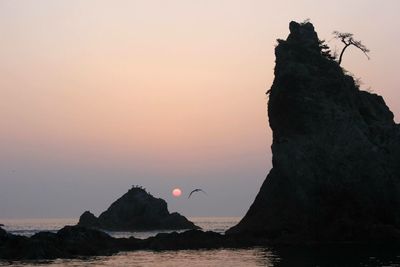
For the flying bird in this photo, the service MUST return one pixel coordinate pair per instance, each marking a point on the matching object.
(197, 190)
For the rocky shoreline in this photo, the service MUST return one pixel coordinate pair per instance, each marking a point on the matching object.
(77, 241)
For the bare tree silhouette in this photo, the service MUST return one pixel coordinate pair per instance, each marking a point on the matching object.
(348, 40)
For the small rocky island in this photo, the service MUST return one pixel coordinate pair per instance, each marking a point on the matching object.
(137, 210)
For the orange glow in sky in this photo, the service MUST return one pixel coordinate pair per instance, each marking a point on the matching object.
(98, 95)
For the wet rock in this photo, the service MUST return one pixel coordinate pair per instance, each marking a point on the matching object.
(192, 239)
(77, 241)
(88, 219)
(69, 242)
(3, 234)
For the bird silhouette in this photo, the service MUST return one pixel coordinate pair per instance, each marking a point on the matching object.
(196, 190)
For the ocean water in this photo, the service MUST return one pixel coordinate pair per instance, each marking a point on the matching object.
(256, 256)
(28, 227)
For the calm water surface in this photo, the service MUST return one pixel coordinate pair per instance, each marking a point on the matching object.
(260, 256)
(29, 227)
(221, 257)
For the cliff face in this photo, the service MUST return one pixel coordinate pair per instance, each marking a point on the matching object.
(136, 210)
(336, 153)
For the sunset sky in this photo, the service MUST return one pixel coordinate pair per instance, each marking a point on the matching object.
(97, 96)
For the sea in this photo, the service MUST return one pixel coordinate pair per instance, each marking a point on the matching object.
(253, 256)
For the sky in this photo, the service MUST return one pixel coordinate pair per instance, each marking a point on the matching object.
(97, 96)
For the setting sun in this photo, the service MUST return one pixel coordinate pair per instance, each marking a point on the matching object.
(177, 192)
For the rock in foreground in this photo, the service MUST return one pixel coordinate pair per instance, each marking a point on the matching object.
(77, 241)
(137, 210)
(336, 154)
(69, 242)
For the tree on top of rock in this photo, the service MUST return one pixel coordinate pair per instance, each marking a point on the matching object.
(348, 40)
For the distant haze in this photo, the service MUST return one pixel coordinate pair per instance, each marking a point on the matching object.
(97, 96)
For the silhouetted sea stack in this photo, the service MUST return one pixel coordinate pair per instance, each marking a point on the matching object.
(137, 210)
(336, 154)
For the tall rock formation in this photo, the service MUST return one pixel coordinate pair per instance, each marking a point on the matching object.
(336, 154)
(136, 210)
